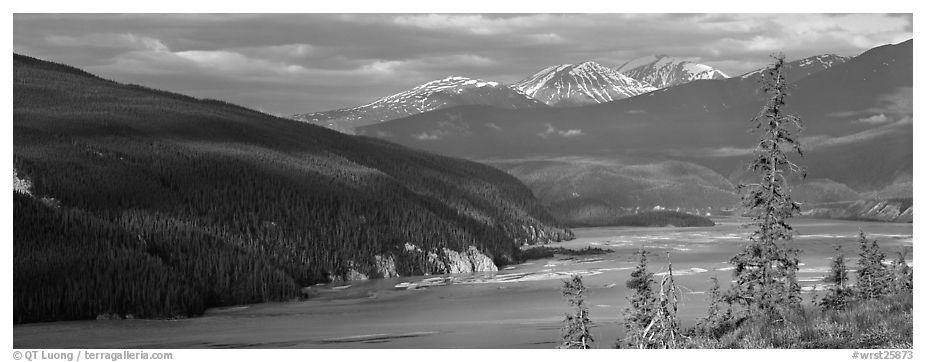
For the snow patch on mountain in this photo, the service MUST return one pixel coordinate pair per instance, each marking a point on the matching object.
(21, 184)
(662, 71)
(437, 94)
(580, 84)
(639, 62)
(801, 68)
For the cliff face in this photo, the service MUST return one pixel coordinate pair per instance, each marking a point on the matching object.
(539, 233)
(468, 261)
(888, 210)
(444, 261)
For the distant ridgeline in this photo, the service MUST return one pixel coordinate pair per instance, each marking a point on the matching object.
(133, 201)
(663, 218)
(890, 210)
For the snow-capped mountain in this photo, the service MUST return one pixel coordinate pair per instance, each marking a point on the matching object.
(580, 84)
(662, 71)
(801, 68)
(442, 93)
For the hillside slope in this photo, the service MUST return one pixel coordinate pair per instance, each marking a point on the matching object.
(143, 202)
(858, 118)
(437, 94)
(889, 210)
(585, 191)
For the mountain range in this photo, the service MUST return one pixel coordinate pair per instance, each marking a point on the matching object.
(662, 71)
(438, 94)
(799, 69)
(564, 85)
(857, 113)
(580, 84)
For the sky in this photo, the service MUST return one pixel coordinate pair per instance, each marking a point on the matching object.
(287, 64)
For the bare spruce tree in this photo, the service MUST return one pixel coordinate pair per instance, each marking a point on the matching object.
(651, 321)
(577, 327)
(663, 330)
(642, 303)
(765, 269)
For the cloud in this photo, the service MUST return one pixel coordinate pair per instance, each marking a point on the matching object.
(202, 63)
(425, 136)
(816, 142)
(885, 124)
(553, 131)
(298, 63)
(412, 67)
(547, 38)
(892, 106)
(125, 41)
(493, 126)
(450, 126)
(844, 114)
(898, 102)
(383, 67)
(470, 23)
(721, 152)
(876, 119)
(570, 133)
(227, 61)
(293, 51)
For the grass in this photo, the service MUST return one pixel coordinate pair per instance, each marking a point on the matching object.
(882, 323)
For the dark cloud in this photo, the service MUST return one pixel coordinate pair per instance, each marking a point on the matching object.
(295, 63)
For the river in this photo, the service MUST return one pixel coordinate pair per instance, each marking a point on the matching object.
(517, 307)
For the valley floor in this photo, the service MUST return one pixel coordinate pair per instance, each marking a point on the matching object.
(517, 307)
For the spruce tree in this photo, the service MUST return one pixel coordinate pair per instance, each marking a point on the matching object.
(839, 293)
(873, 278)
(576, 328)
(902, 274)
(765, 270)
(719, 317)
(642, 303)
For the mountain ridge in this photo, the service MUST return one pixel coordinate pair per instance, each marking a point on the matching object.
(662, 71)
(433, 95)
(568, 85)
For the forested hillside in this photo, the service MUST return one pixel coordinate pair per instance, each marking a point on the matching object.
(155, 204)
(598, 191)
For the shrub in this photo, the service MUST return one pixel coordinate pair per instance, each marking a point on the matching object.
(719, 319)
(880, 323)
